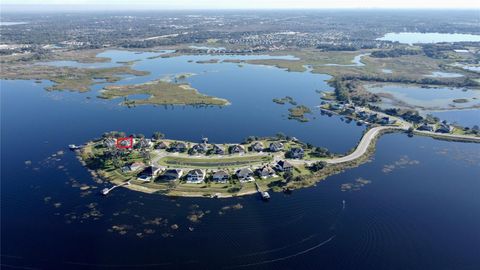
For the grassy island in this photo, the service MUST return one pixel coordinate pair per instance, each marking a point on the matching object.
(161, 92)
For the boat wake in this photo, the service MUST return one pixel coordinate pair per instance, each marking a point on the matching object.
(286, 257)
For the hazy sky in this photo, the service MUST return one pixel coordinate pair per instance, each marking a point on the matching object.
(243, 4)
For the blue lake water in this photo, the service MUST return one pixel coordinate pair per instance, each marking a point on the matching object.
(439, 74)
(426, 98)
(466, 118)
(409, 214)
(414, 37)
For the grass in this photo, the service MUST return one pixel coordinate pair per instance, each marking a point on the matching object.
(225, 162)
(67, 78)
(298, 113)
(161, 93)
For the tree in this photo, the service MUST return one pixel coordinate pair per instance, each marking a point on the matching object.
(317, 166)
(157, 135)
(281, 136)
(288, 176)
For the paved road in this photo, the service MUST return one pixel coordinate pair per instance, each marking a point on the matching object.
(360, 149)
(363, 145)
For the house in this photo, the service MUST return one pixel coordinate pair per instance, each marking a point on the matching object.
(218, 150)
(220, 176)
(258, 147)
(245, 175)
(385, 120)
(444, 128)
(362, 114)
(296, 152)
(199, 148)
(284, 166)
(178, 147)
(135, 166)
(348, 111)
(373, 118)
(142, 143)
(335, 106)
(161, 145)
(237, 149)
(109, 142)
(195, 176)
(266, 171)
(426, 127)
(276, 146)
(173, 174)
(149, 173)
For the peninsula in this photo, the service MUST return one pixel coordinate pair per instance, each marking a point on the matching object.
(279, 163)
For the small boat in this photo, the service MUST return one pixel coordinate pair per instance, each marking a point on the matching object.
(105, 191)
(265, 195)
(73, 147)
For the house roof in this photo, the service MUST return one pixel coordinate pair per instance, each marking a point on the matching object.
(258, 144)
(244, 171)
(238, 147)
(284, 163)
(266, 169)
(195, 172)
(173, 172)
(137, 164)
(220, 173)
(276, 144)
(150, 170)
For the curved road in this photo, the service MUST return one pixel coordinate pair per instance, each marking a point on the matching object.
(362, 145)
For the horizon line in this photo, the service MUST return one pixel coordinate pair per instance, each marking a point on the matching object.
(60, 7)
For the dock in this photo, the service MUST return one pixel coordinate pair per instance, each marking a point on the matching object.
(105, 191)
(265, 195)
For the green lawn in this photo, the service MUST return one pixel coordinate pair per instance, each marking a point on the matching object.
(215, 162)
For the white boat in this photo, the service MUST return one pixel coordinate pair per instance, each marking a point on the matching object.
(265, 195)
(73, 147)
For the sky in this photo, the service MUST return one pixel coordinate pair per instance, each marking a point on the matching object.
(237, 4)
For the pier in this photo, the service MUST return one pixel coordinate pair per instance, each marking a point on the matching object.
(265, 195)
(105, 191)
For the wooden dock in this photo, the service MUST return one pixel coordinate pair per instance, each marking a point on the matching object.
(105, 191)
(264, 194)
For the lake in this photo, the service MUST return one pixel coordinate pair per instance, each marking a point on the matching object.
(415, 37)
(403, 210)
(440, 98)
